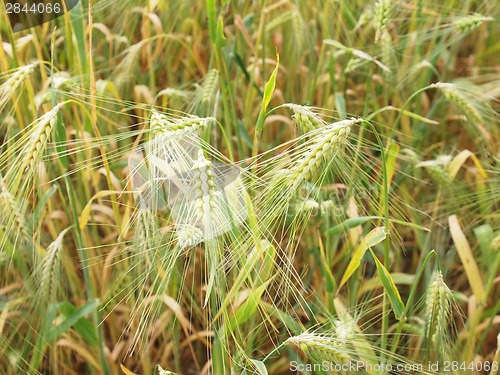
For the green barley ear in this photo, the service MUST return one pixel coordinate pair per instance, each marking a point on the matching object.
(189, 235)
(50, 270)
(38, 141)
(466, 104)
(365, 18)
(321, 348)
(308, 205)
(210, 86)
(60, 81)
(122, 75)
(305, 118)
(172, 93)
(437, 168)
(388, 57)
(145, 236)
(329, 140)
(204, 191)
(8, 203)
(327, 207)
(27, 151)
(164, 372)
(471, 22)
(170, 126)
(299, 29)
(438, 308)
(354, 64)
(382, 16)
(10, 87)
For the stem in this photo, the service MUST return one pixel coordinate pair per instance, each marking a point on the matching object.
(274, 351)
(412, 96)
(385, 316)
(412, 294)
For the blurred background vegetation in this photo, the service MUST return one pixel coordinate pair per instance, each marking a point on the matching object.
(426, 74)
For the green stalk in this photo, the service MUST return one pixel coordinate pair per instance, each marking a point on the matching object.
(413, 290)
(412, 96)
(385, 315)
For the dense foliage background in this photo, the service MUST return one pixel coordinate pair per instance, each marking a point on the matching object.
(331, 256)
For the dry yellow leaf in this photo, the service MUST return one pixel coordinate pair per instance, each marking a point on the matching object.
(465, 254)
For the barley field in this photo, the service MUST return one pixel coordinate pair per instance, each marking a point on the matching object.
(251, 187)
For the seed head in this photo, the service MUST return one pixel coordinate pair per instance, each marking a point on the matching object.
(204, 190)
(468, 23)
(189, 236)
(382, 15)
(438, 311)
(210, 86)
(330, 138)
(9, 87)
(176, 126)
(321, 348)
(35, 146)
(305, 118)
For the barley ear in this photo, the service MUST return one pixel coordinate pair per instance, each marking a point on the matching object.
(321, 348)
(382, 16)
(469, 23)
(305, 118)
(438, 314)
(50, 270)
(8, 207)
(328, 141)
(210, 86)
